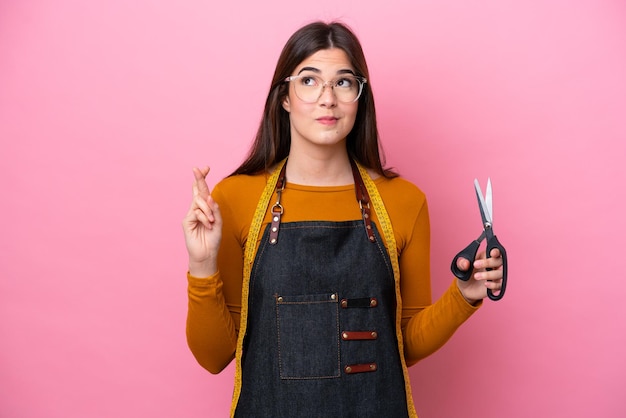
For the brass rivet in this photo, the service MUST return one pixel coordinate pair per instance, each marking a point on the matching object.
(333, 296)
(374, 334)
(280, 298)
(273, 241)
(344, 336)
(372, 239)
(348, 369)
(373, 302)
(274, 229)
(372, 367)
(344, 303)
(275, 219)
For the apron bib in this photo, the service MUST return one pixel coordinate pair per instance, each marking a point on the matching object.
(321, 337)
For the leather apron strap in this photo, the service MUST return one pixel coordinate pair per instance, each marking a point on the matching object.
(362, 197)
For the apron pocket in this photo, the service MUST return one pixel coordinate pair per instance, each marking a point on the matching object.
(308, 336)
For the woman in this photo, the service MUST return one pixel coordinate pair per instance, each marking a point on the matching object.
(310, 263)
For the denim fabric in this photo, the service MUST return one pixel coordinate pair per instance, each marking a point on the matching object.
(293, 362)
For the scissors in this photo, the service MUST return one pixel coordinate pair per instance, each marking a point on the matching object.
(486, 212)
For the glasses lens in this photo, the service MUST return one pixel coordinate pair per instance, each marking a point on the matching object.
(347, 89)
(309, 88)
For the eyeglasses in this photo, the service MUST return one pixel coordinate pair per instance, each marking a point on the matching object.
(309, 88)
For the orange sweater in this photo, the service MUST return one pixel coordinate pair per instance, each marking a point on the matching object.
(215, 302)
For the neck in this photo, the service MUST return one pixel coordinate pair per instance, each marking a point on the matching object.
(310, 170)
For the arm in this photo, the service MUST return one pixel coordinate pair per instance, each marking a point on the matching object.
(426, 326)
(211, 334)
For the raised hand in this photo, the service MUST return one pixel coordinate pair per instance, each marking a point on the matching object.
(202, 227)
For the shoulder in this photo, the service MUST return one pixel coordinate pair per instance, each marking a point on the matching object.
(241, 182)
(400, 191)
(407, 208)
(240, 192)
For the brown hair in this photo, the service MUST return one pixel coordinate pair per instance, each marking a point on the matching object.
(273, 139)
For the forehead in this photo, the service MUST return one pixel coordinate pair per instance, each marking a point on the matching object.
(327, 61)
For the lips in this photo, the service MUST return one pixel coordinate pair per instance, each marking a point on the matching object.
(327, 120)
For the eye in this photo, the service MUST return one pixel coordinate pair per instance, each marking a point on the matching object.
(309, 81)
(345, 82)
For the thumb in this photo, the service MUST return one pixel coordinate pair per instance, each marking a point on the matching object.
(462, 264)
(215, 208)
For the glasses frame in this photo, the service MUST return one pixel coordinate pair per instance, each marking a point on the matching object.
(332, 83)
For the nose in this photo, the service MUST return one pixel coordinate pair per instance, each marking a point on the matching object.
(327, 96)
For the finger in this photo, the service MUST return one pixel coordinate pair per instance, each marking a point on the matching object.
(203, 219)
(199, 211)
(479, 261)
(203, 206)
(462, 264)
(490, 275)
(194, 218)
(201, 172)
(207, 213)
(200, 186)
(492, 262)
(494, 285)
(215, 211)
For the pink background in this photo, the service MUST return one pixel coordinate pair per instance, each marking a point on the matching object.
(106, 105)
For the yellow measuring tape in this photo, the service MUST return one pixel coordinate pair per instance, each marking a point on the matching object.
(390, 239)
(249, 254)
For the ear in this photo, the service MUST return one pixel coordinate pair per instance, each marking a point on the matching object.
(286, 104)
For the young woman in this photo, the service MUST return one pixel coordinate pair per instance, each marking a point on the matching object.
(310, 264)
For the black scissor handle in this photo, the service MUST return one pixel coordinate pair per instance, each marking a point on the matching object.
(492, 242)
(468, 253)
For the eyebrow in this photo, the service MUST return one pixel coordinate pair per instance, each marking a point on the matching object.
(318, 71)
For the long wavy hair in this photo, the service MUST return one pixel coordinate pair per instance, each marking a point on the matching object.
(273, 138)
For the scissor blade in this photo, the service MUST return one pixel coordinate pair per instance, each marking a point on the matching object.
(484, 210)
(489, 199)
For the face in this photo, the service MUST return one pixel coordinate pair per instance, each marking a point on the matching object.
(326, 122)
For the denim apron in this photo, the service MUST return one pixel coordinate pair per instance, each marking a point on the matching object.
(321, 335)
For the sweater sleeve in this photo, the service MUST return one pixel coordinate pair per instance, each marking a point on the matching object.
(426, 326)
(214, 303)
(431, 327)
(211, 332)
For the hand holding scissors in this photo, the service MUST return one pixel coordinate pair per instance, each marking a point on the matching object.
(486, 212)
